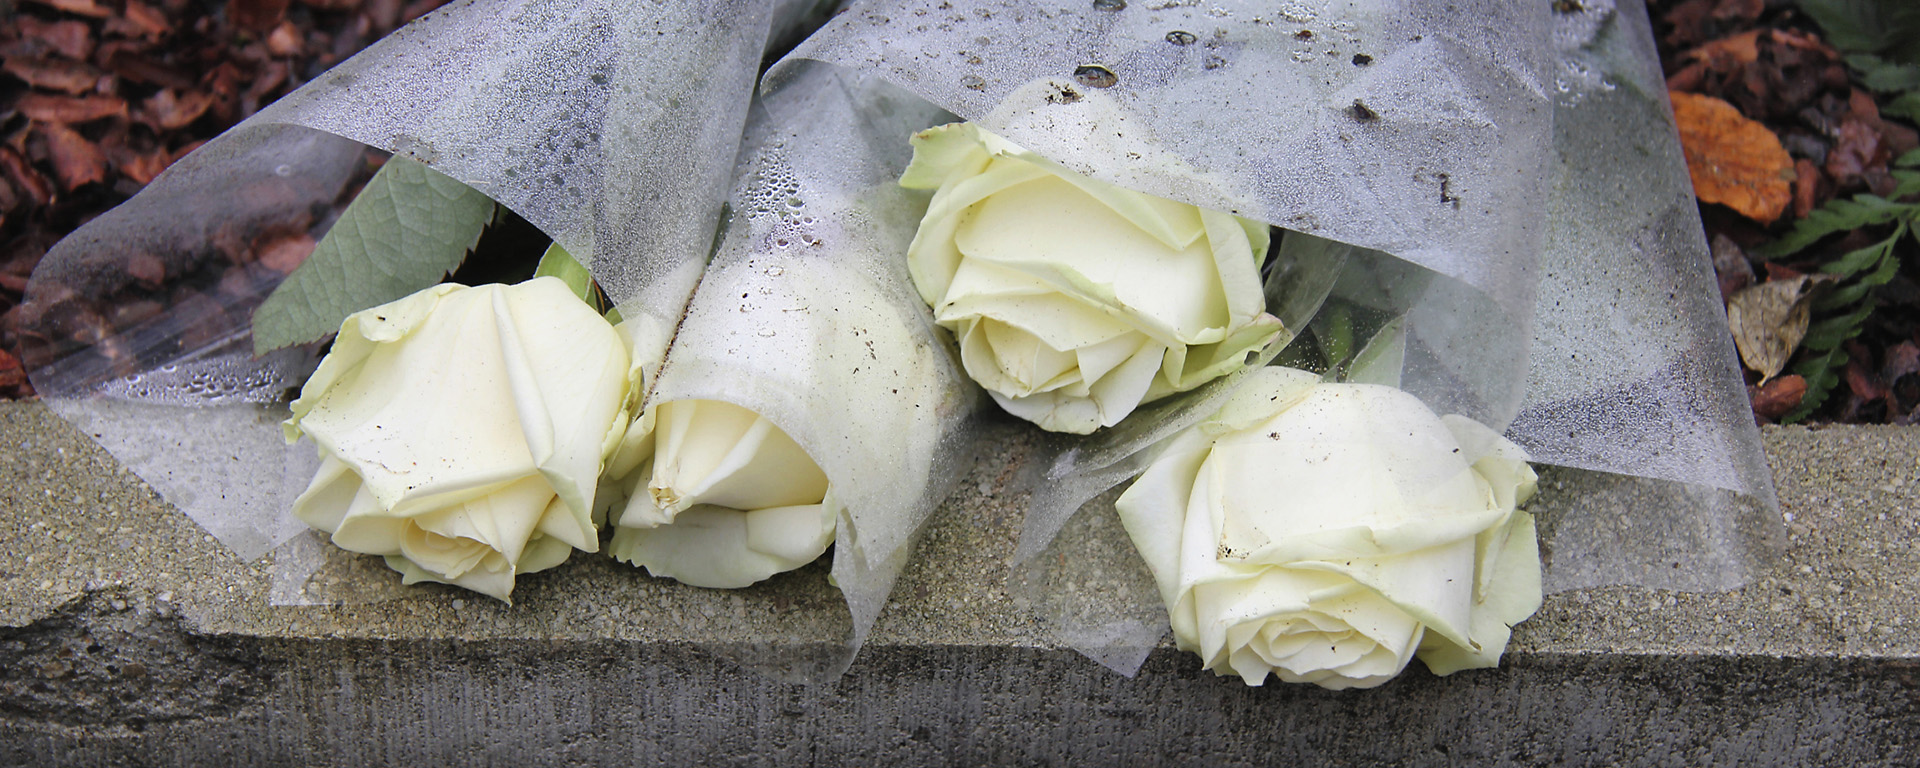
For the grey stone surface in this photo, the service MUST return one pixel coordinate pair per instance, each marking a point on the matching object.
(128, 637)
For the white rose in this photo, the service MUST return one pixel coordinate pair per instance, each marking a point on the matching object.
(1075, 301)
(1328, 533)
(717, 496)
(461, 431)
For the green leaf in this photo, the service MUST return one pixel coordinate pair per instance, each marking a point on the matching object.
(1889, 266)
(1842, 297)
(1912, 158)
(410, 227)
(1885, 76)
(1854, 261)
(1868, 26)
(1822, 374)
(1336, 335)
(1907, 106)
(1833, 217)
(556, 262)
(1906, 183)
(1833, 331)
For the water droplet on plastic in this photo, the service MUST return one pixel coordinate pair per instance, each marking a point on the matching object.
(1303, 55)
(283, 171)
(809, 239)
(1094, 76)
(1109, 5)
(781, 243)
(766, 333)
(775, 271)
(796, 203)
(806, 220)
(1180, 37)
(414, 147)
(973, 82)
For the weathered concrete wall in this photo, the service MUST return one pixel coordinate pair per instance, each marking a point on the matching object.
(127, 637)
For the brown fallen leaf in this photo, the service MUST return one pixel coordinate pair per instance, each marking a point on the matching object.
(146, 21)
(1730, 266)
(138, 67)
(148, 269)
(1862, 381)
(1856, 151)
(54, 74)
(76, 161)
(1807, 186)
(69, 109)
(1722, 54)
(285, 254)
(1768, 321)
(168, 110)
(1902, 360)
(142, 167)
(72, 39)
(256, 15)
(1775, 398)
(11, 374)
(1742, 10)
(1733, 160)
(25, 180)
(285, 40)
(87, 8)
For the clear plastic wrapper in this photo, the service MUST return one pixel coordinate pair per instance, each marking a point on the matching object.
(807, 317)
(1509, 178)
(611, 125)
(1632, 369)
(1394, 126)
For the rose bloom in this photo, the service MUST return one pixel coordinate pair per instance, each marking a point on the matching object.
(1329, 533)
(1074, 301)
(717, 496)
(461, 431)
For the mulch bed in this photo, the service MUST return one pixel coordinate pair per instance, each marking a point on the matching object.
(98, 96)
(1769, 61)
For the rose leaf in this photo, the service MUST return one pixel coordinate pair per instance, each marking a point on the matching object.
(410, 227)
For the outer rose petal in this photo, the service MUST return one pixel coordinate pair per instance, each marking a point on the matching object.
(1043, 274)
(726, 500)
(462, 429)
(1327, 533)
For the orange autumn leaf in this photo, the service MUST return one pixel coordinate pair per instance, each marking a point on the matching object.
(1734, 161)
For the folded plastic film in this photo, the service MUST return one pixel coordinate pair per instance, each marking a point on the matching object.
(1396, 126)
(1619, 362)
(807, 316)
(610, 124)
(1413, 128)
(1632, 369)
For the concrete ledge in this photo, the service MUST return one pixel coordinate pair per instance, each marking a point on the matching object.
(129, 637)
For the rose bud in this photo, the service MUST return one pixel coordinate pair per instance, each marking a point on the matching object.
(717, 496)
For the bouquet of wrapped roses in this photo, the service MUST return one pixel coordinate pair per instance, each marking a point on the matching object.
(764, 324)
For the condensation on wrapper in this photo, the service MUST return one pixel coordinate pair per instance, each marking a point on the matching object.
(1427, 150)
(807, 317)
(1517, 157)
(609, 124)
